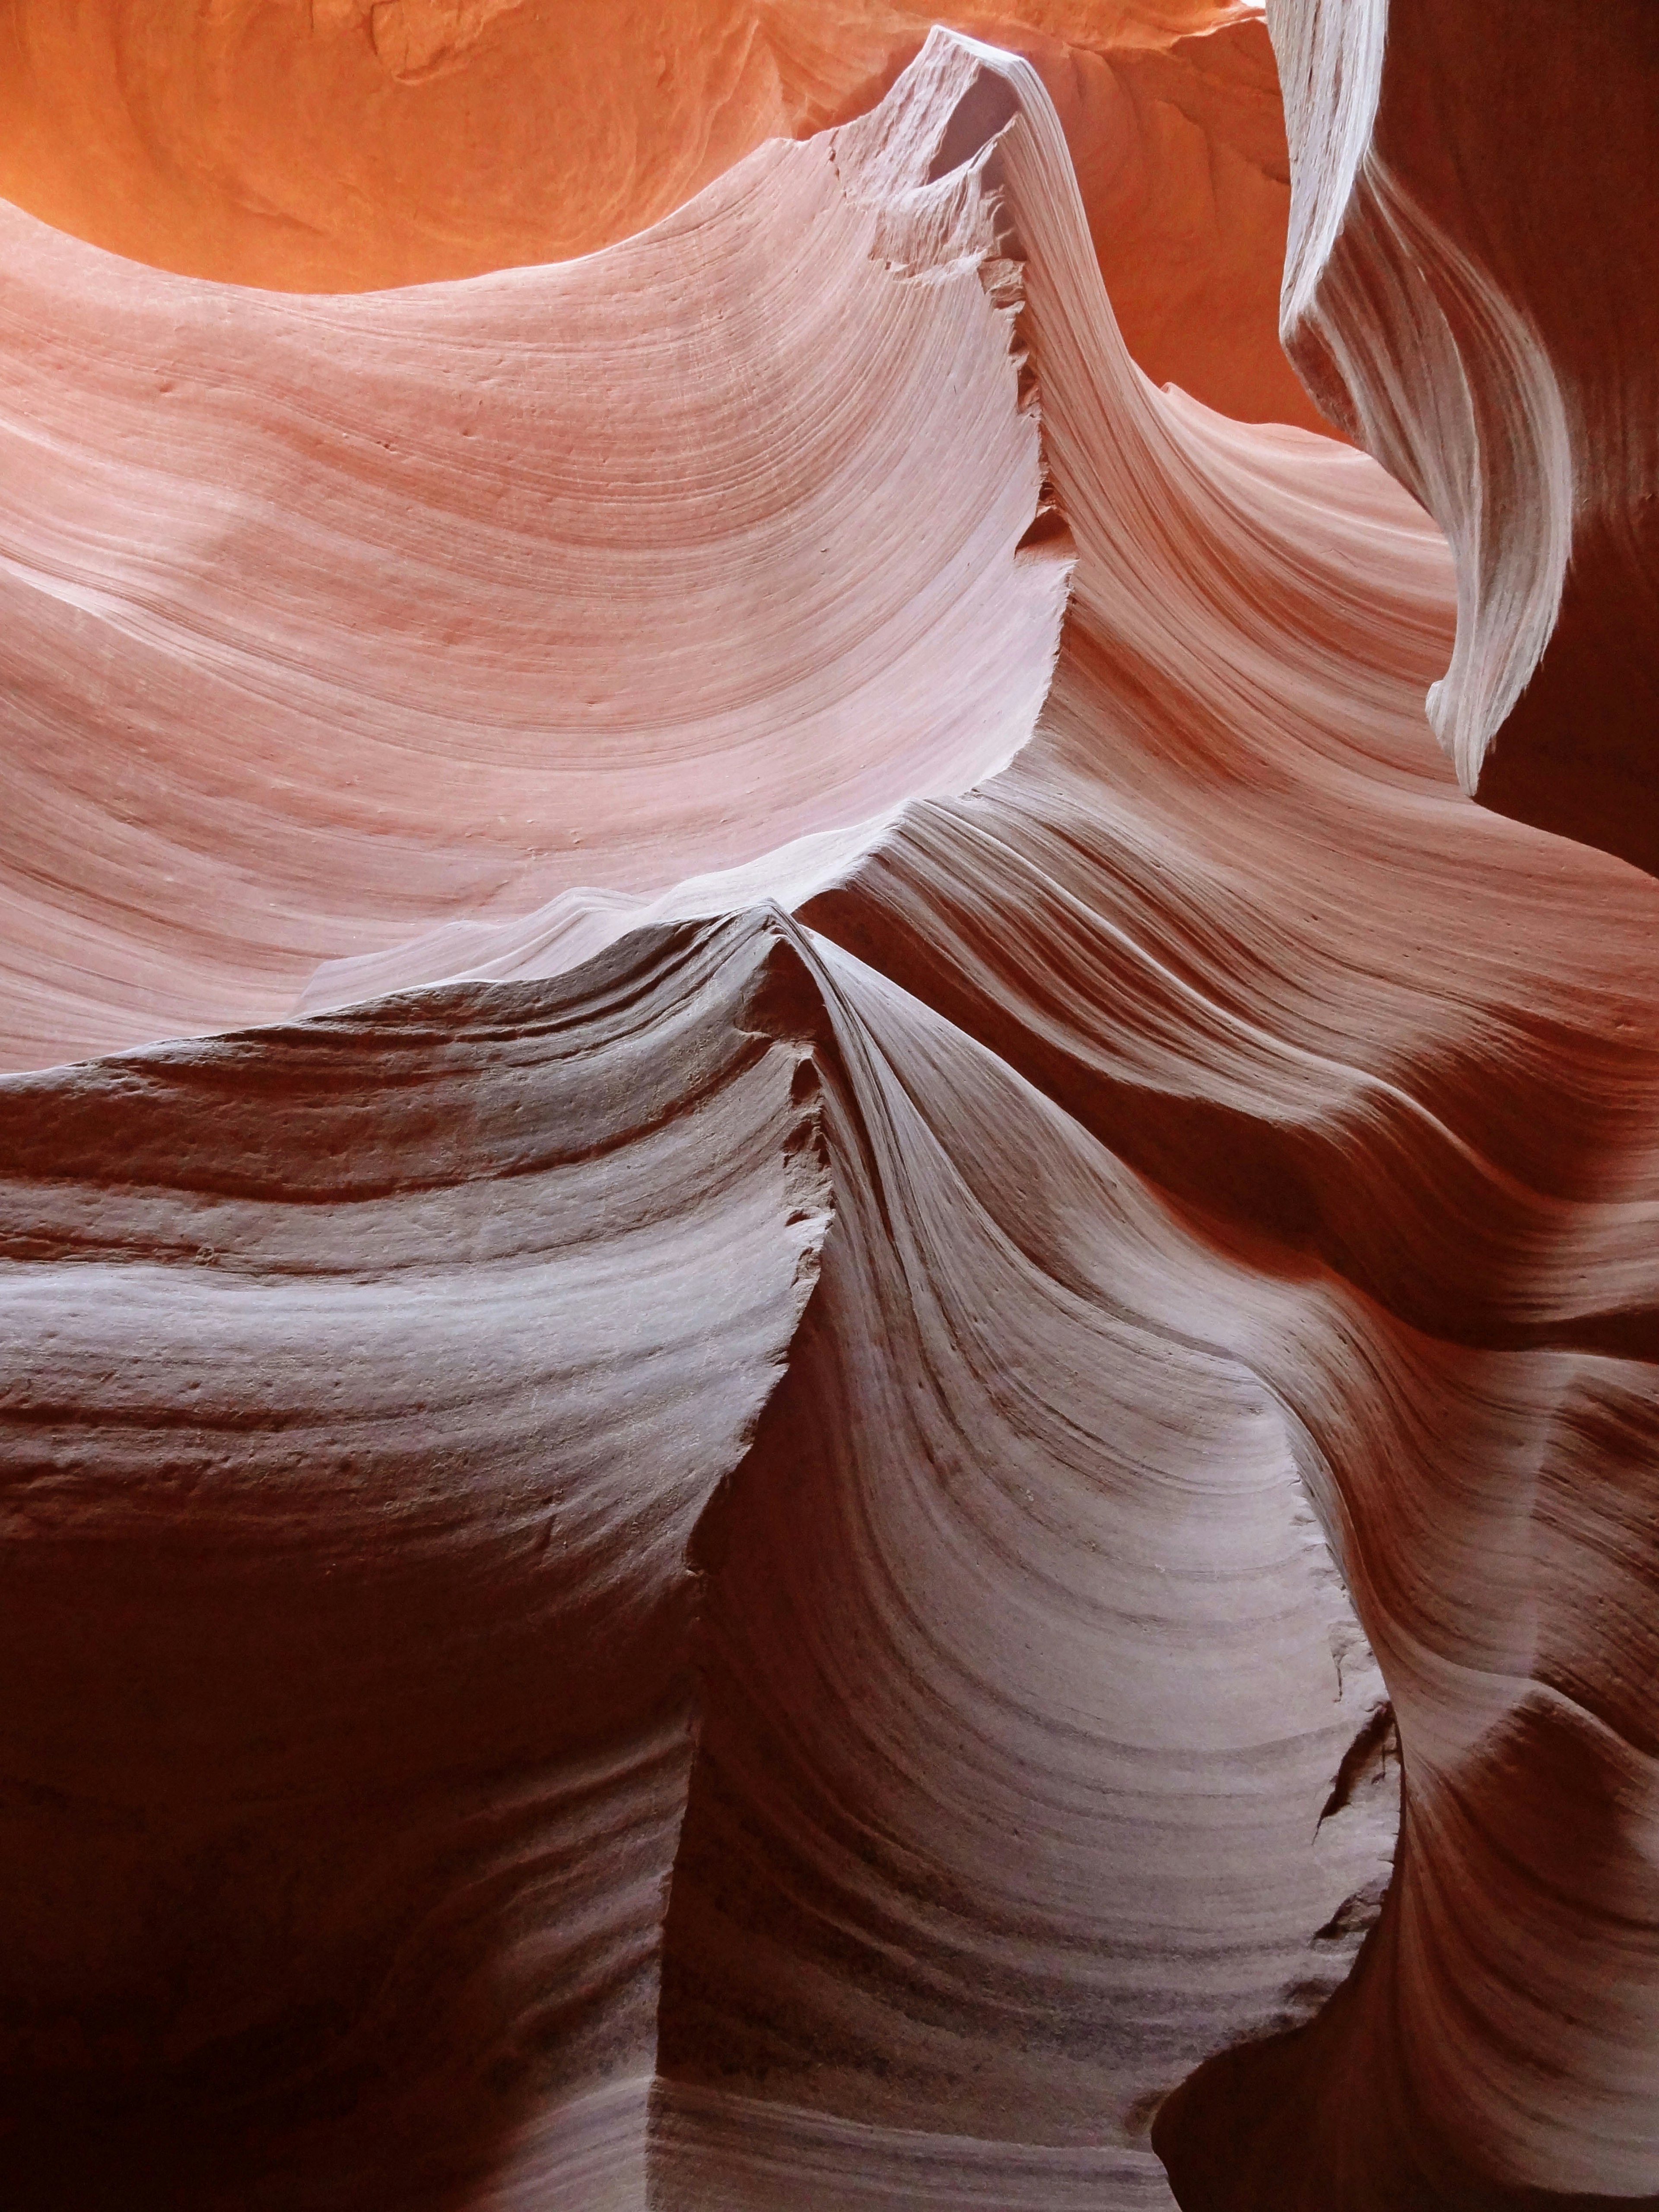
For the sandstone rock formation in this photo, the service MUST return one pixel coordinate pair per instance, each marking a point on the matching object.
(908, 1371)
(1473, 290)
(1470, 289)
(346, 145)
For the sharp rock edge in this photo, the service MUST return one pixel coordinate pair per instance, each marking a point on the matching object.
(798, 1565)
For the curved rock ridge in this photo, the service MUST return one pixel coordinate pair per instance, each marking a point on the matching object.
(308, 658)
(1224, 912)
(1447, 299)
(353, 145)
(1030, 1686)
(366, 1382)
(326, 618)
(546, 1644)
(796, 1547)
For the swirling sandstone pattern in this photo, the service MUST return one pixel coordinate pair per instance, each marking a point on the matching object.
(308, 647)
(790, 1529)
(1473, 291)
(345, 145)
(1489, 336)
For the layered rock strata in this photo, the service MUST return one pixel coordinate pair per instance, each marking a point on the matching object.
(350, 145)
(793, 1537)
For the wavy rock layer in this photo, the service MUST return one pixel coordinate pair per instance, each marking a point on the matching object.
(1473, 291)
(1494, 2047)
(326, 618)
(345, 145)
(797, 1561)
(368, 1381)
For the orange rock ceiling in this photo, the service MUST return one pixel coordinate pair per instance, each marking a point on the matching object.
(345, 145)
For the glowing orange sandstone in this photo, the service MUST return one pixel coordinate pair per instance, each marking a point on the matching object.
(346, 145)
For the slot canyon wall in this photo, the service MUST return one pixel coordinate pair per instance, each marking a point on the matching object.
(828, 1375)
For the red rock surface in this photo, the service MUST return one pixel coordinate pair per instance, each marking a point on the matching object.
(334, 617)
(1473, 291)
(815, 1493)
(347, 145)
(1471, 287)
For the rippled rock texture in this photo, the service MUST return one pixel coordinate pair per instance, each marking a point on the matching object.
(879, 1432)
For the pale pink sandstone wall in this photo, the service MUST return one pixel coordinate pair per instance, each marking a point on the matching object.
(793, 1567)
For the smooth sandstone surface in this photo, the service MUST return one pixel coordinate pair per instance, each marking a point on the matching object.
(330, 618)
(349, 145)
(925, 1480)
(1469, 288)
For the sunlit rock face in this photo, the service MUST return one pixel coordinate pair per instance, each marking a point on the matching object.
(350, 145)
(829, 1317)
